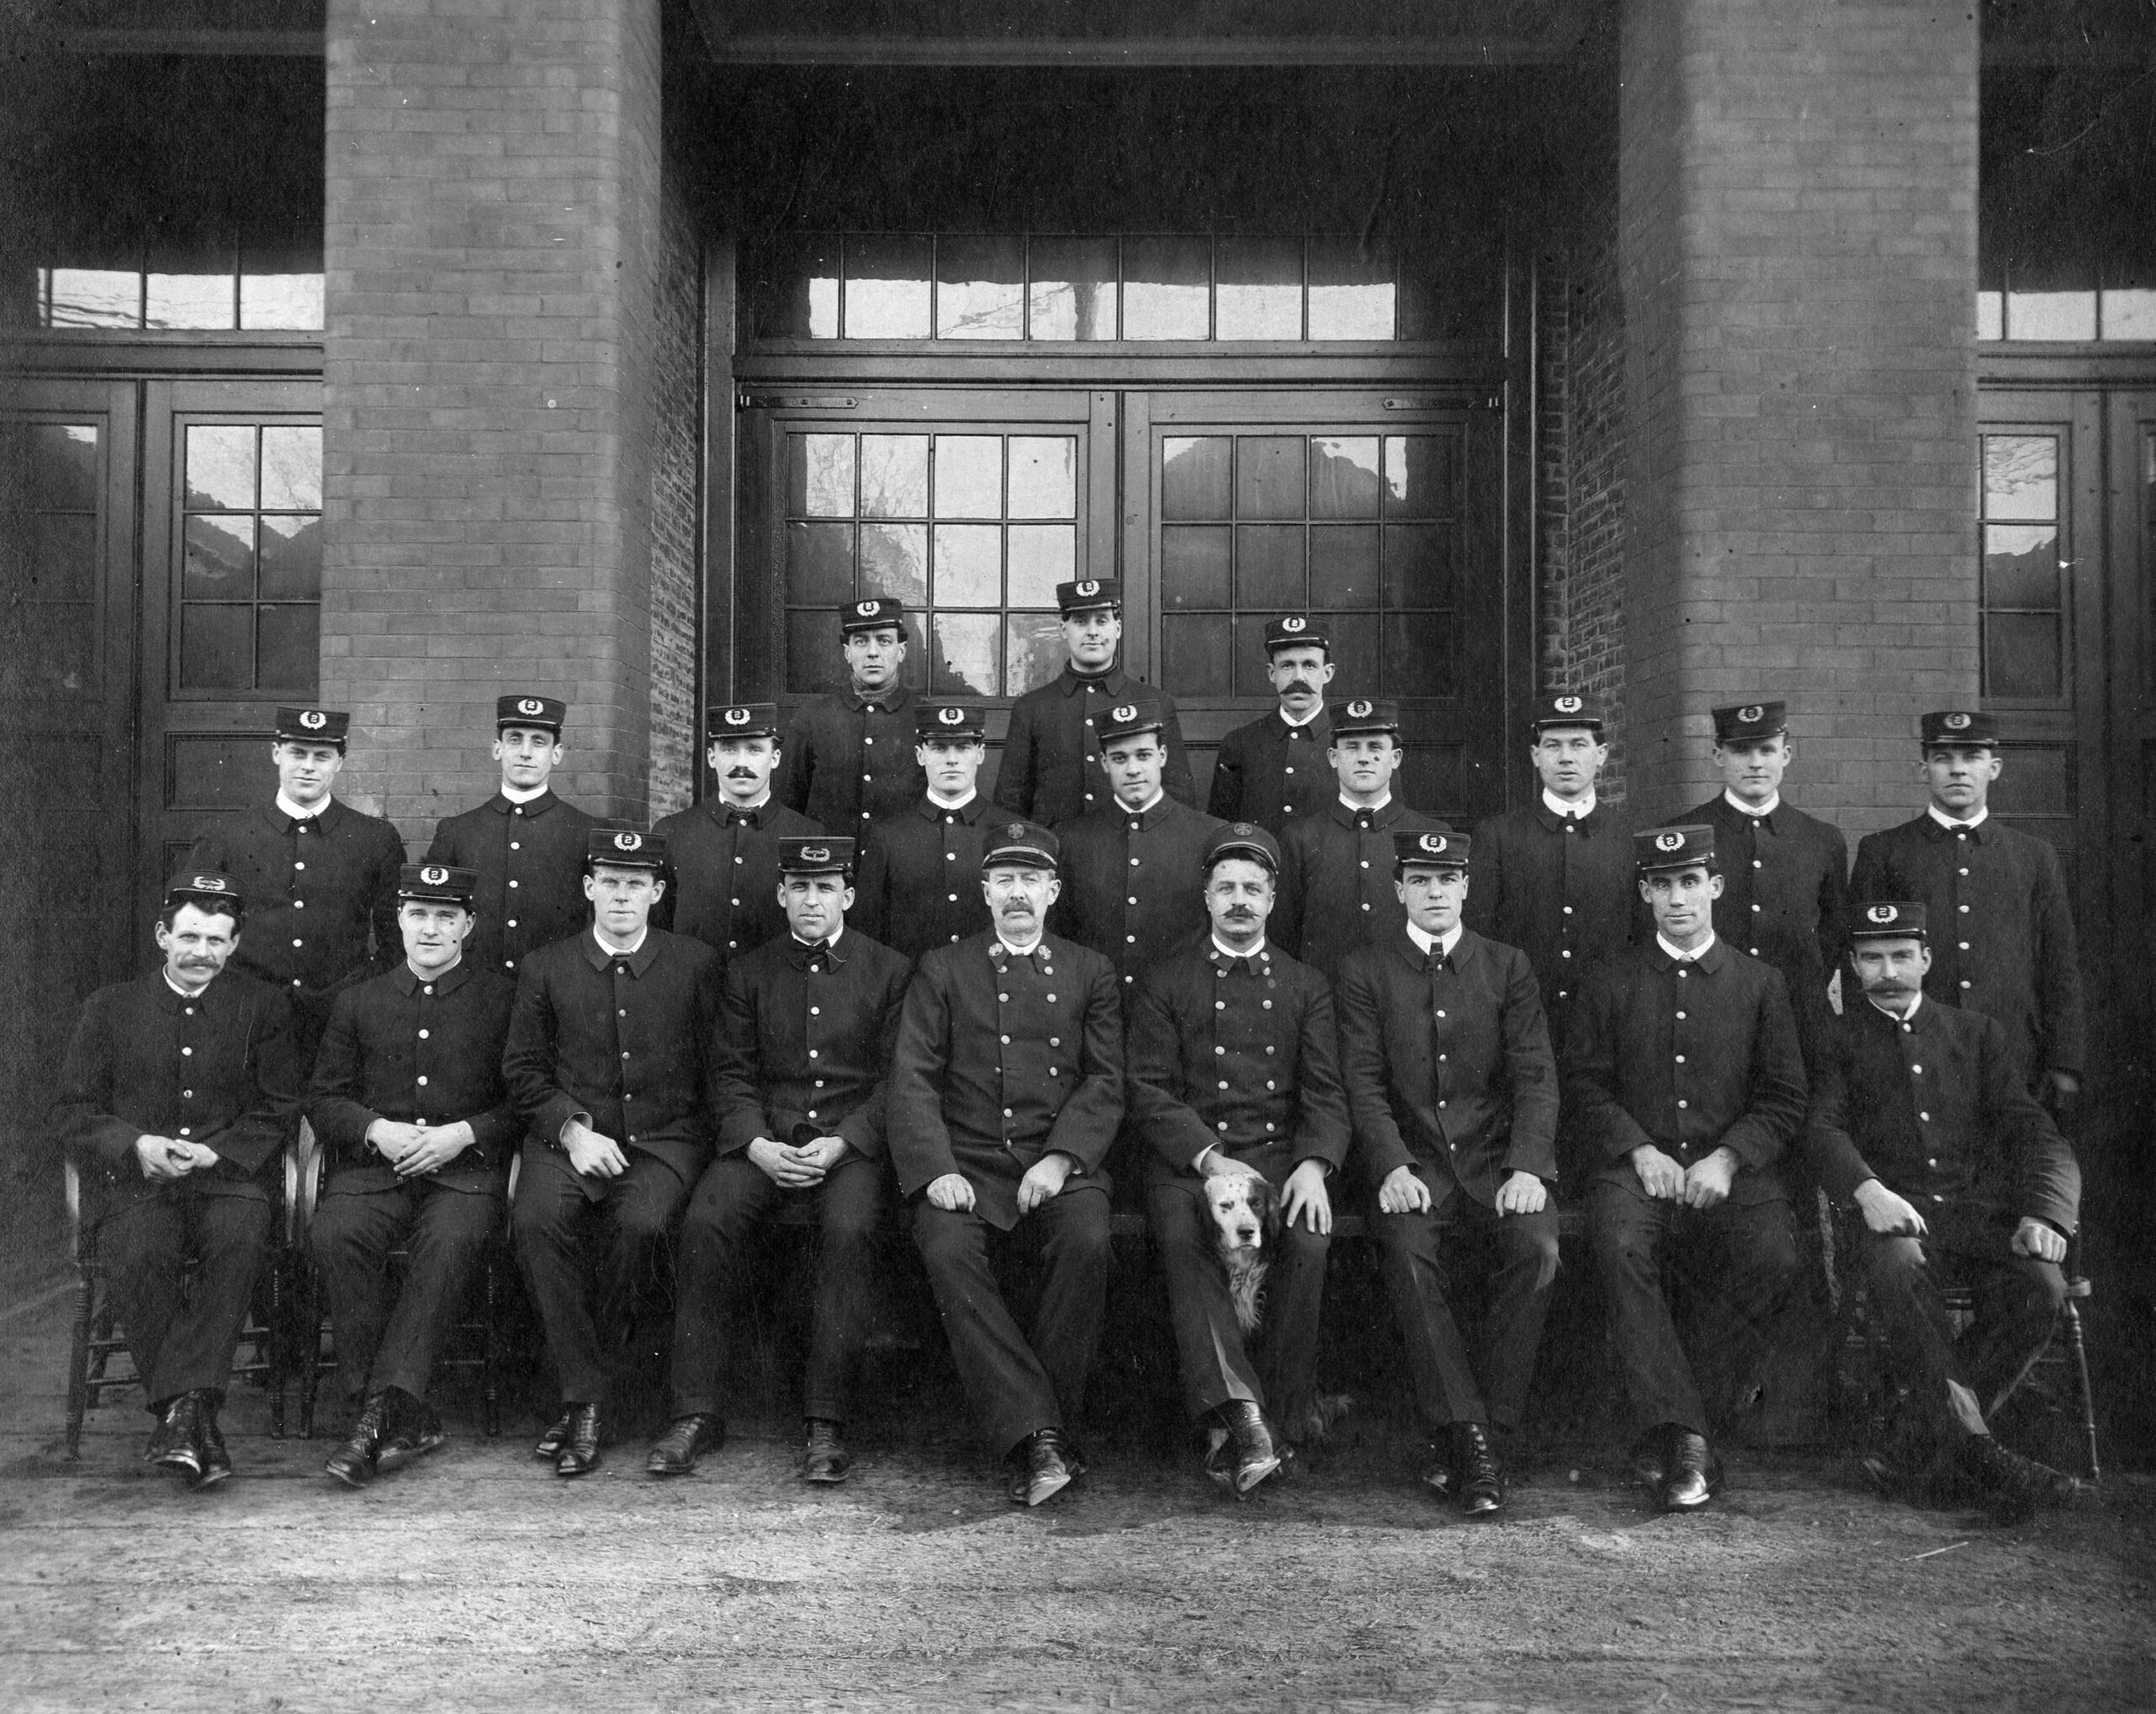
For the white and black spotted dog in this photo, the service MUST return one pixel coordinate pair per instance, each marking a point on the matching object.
(1242, 1216)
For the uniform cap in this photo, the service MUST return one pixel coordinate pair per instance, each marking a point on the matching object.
(1243, 839)
(872, 613)
(1129, 719)
(1566, 709)
(1672, 848)
(313, 726)
(620, 848)
(1020, 844)
(520, 710)
(949, 720)
(1748, 721)
(1889, 919)
(822, 855)
(1087, 594)
(437, 881)
(1959, 726)
(1433, 848)
(203, 883)
(741, 720)
(1364, 715)
(1295, 630)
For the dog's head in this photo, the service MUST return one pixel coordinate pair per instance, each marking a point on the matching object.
(1245, 1212)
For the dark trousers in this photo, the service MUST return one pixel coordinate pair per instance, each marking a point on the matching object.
(732, 1196)
(1425, 1258)
(1056, 1261)
(1215, 1354)
(1737, 1264)
(587, 1303)
(443, 1233)
(2017, 1300)
(182, 1332)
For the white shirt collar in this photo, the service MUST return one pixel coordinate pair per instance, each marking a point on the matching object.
(831, 939)
(1441, 944)
(1145, 808)
(522, 794)
(621, 952)
(1558, 806)
(1693, 957)
(436, 975)
(183, 993)
(1348, 803)
(1228, 952)
(1291, 720)
(295, 811)
(729, 804)
(1754, 810)
(1951, 825)
(953, 803)
(1908, 1016)
(1012, 947)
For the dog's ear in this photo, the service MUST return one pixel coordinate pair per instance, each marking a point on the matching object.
(1268, 1208)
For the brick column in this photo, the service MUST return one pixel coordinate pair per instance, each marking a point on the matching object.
(1797, 183)
(493, 202)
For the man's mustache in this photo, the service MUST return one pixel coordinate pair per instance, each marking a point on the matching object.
(1016, 907)
(1297, 684)
(1235, 911)
(741, 773)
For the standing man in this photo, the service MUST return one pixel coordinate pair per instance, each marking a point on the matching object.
(1453, 1092)
(1337, 892)
(415, 1122)
(613, 1066)
(1006, 1090)
(1921, 1124)
(1136, 873)
(1234, 1074)
(920, 873)
(1555, 879)
(2005, 944)
(1275, 770)
(849, 754)
(1785, 874)
(524, 845)
(1684, 1072)
(1051, 757)
(178, 1095)
(808, 1024)
(320, 876)
(725, 850)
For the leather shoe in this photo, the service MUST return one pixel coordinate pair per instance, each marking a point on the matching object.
(411, 1428)
(165, 1433)
(182, 1451)
(825, 1458)
(580, 1451)
(686, 1439)
(1693, 1474)
(557, 1437)
(354, 1462)
(1651, 1457)
(216, 1462)
(1478, 1481)
(1038, 1469)
(1247, 1455)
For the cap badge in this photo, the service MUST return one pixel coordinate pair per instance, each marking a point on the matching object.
(1089, 587)
(1669, 841)
(951, 716)
(314, 719)
(1754, 712)
(815, 853)
(868, 609)
(1292, 626)
(1568, 705)
(1243, 830)
(1358, 710)
(1882, 913)
(628, 841)
(1435, 842)
(1955, 723)
(531, 705)
(1129, 711)
(737, 717)
(209, 883)
(434, 874)
(1015, 830)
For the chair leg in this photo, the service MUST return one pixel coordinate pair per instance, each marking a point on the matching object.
(78, 1358)
(308, 1344)
(279, 1344)
(2083, 1394)
(490, 1388)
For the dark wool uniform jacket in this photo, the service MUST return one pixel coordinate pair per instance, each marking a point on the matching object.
(2001, 929)
(408, 1049)
(1236, 1054)
(314, 890)
(637, 1051)
(1689, 1057)
(806, 1039)
(1785, 892)
(1448, 1063)
(919, 879)
(216, 1068)
(1051, 767)
(1001, 1060)
(1932, 1109)
(846, 760)
(722, 887)
(1564, 892)
(1337, 890)
(529, 858)
(1134, 886)
(1274, 774)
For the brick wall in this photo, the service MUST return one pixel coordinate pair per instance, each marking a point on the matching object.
(676, 524)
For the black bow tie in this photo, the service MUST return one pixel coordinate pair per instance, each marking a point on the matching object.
(740, 818)
(1365, 819)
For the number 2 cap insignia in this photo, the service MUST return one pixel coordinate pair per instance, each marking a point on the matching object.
(531, 705)
(1434, 843)
(1294, 625)
(1882, 913)
(1669, 841)
(1754, 712)
(737, 717)
(1955, 723)
(951, 716)
(314, 719)
(1129, 711)
(434, 874)
(1358, 710)
(1568, 705)
(1088, 587)
(628, 841)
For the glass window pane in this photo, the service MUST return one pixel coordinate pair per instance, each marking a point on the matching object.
(2050, 315)
(2130, 314)
(968, 476)
(887, 294)
(292, 555)
(64, 558)
(2021, 565)
(965, 664)
(2020, 476)
(812, 650)
(1249, 656)
(2022, 654)
(188, 300)
(96, 297)
(1417, 655)
(1269, 567)
(216, 648)
(980, 288)
(1351, 291)
(1355, 652)
(291, 469)
(1166, 285)
(1269, 475)
(1043, 476)
(893, 476)
(1194, 654)
(1991, 315)
(1194, 476)
(1261, 290)
(914, 674)
(894, 562)
(1042, 556)
(818, 563)
(288, 648)
(969, 565)
(1033, 651)
(63, 466)
(1194, 565)
(1072, 295)
(1344, 481)
(280, 300)
(1344, 563)
(1418, 565)
(819, 476)
(217, 561)
(221, 468)
(1422, 475)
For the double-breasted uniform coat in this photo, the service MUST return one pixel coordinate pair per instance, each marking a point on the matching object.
(1134, 886)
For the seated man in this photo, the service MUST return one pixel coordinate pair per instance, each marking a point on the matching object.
(1006, 1090)
(1234, 1074)
(178, 1095)
(1921, 1121)
(1454, 1093)
(416, 1128)
(804, 1046)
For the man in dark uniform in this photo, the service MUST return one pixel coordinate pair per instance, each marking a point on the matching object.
(723, 890)
(920, 875)
(320, 878)
(415, 1120)
(1453, 1093)
(1134, 870)
(1785, 874)
(1337, 887)
(1555, 879)
(808, 1024)
(1919, 1121)
(1275, 770)
(612, 1063)
(1686, 1078)
(1234, 1072)
(2001, 941)
(1006, 1090)
(1051, 756)
(524, 844)
(178, 1095)
(848, 757)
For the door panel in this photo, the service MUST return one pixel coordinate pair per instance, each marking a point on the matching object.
(2130, 431)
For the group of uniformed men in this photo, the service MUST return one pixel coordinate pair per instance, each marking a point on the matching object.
(846, 977)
